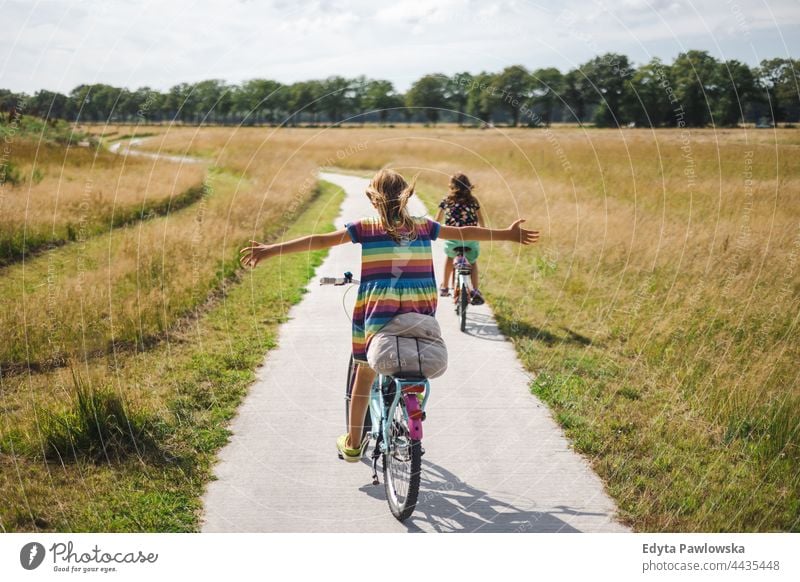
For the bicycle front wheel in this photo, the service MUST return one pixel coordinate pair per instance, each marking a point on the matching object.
(402, 465)
(463, 301)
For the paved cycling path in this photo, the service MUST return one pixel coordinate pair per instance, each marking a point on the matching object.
(495, 460)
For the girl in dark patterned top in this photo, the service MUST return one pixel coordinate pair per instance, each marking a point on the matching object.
(461, 208)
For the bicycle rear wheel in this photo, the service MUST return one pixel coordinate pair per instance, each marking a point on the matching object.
(402, 465)
(351, 378)
(463, 299)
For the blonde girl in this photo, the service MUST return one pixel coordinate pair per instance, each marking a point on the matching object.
(396, 274)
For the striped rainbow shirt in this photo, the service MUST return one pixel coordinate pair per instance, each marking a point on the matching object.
(395, 278)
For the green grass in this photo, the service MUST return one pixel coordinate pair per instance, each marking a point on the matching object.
(98, 426)
(18, 244)
(131, 136)
(82, 325)
(655, 414)
(183, 391)
(55, 131)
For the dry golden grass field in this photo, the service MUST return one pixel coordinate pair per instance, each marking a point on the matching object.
(72, 193)
(658, 313)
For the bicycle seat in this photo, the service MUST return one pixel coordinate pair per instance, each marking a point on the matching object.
(411, 377)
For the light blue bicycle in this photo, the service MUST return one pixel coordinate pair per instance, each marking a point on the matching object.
(394, 424)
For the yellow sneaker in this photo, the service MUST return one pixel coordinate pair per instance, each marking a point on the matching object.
(349, 454)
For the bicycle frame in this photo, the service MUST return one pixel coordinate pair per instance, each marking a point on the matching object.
(462, 271)
(377, 406)
(392, 443)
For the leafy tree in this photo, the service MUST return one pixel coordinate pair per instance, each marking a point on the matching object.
(174, 100)
(144, 105)
(260, 99)
(609, 75)
(578, 94)
(428, 93)
(303, 99)
(380, 96)
(356, 96)
(95, 102)
(457, 90)
(546, 89)
(334, 98)
(48, 105)
(696, 89)
(650, 103)
(127, 106)
(479, 100)
(694, 78)
(181, 103)
(8, 103)
(212, 99)
(511, 91)
(781, 79)
(736, 94)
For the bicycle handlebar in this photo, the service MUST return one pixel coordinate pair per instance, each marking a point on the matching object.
(338, 281)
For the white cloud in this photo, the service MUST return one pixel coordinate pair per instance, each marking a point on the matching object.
(58, 45)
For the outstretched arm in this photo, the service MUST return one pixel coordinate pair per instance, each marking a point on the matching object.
(514, 233)
(252, 255)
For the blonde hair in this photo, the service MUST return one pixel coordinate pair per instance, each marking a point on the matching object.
(389, 192)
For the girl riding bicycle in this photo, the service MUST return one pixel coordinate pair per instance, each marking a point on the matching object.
(396, 274)
(461, 208)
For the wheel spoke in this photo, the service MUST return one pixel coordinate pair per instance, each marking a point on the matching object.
(399, 459)
(401, 462)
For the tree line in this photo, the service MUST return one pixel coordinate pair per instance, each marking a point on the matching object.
(695, 90)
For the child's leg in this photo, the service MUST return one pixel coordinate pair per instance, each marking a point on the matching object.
(474, 275)
(448, 272)
(359, 400)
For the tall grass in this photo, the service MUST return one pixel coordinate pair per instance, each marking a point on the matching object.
(659, 310)
(124, 290)
(65, 194)
(99, 426)
(658, 313)
(180, 393)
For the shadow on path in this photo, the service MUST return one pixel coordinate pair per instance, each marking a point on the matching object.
(525, 330)
(482, 326)
(448, 504)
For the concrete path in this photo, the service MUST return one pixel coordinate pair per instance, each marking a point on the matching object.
(495, 461)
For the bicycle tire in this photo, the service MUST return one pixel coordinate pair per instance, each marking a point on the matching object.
(463, 300)
(351, 377)
(402, 510)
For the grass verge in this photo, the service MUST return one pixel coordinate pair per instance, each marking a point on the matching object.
(184, 391)
(676, 451)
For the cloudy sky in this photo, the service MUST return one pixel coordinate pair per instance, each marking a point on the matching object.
(58, 44)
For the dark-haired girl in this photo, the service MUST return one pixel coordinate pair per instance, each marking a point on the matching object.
(461, 208)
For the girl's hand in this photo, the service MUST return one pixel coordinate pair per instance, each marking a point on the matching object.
(251, 256)
(520, 235)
